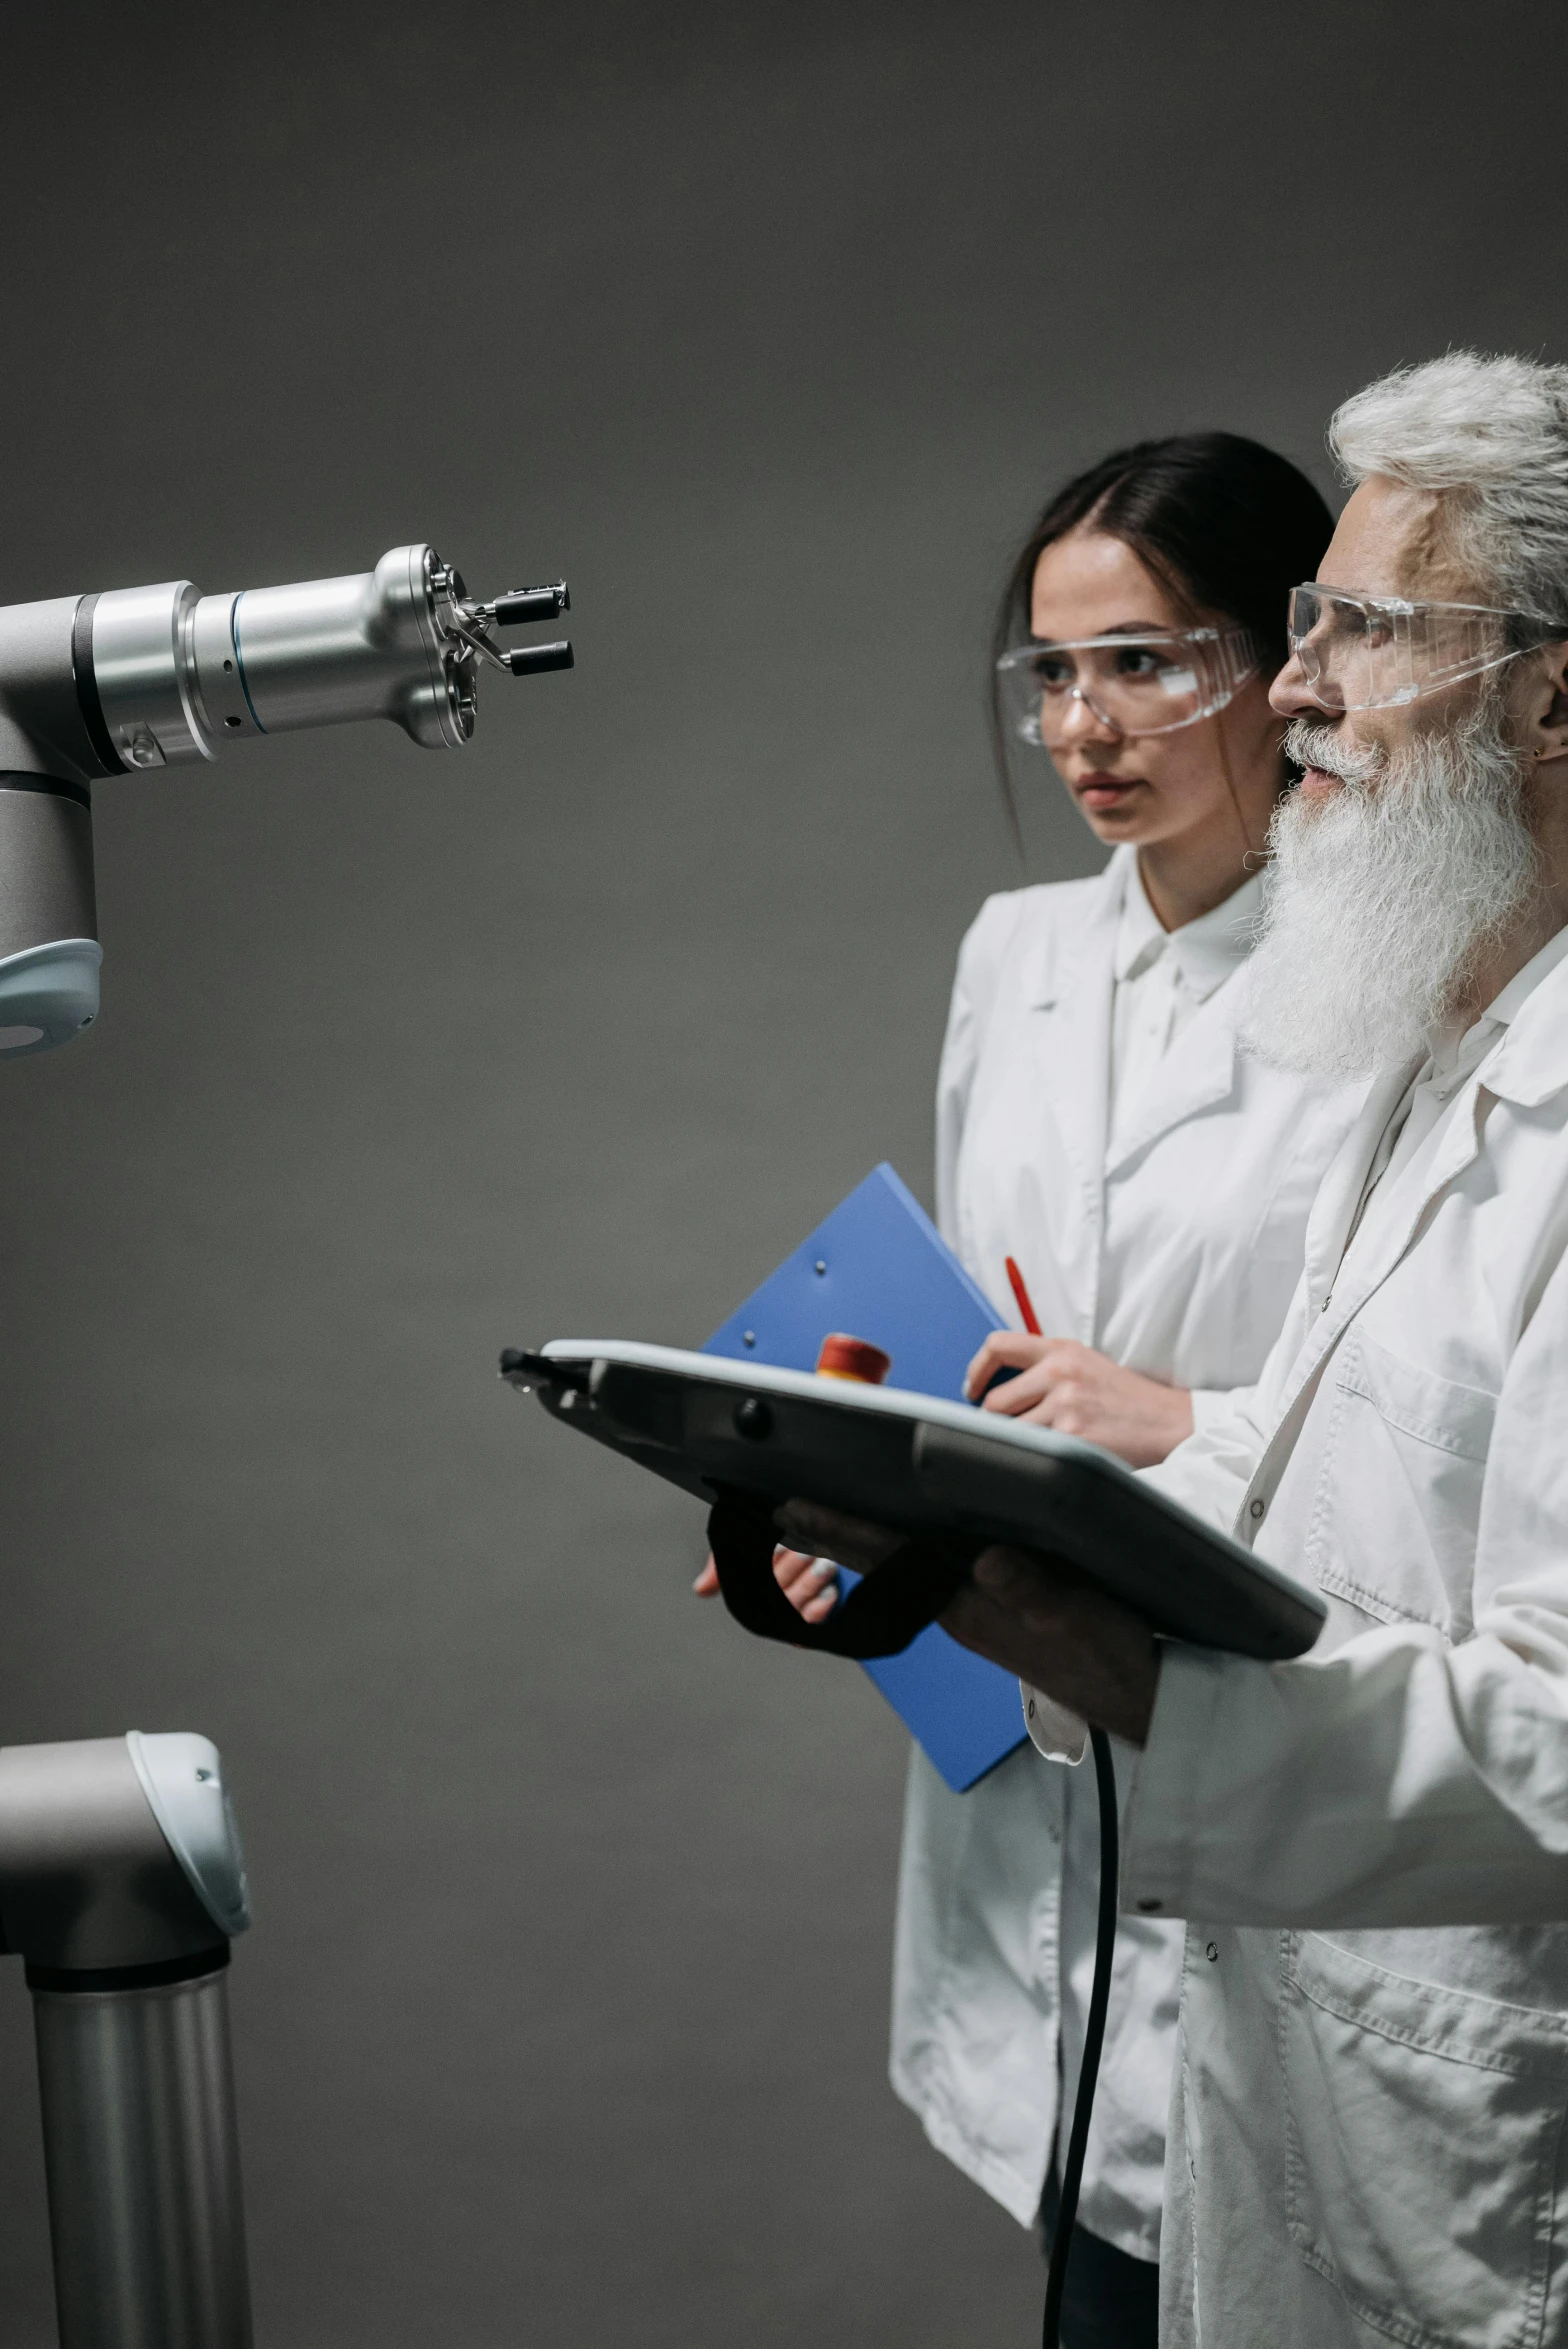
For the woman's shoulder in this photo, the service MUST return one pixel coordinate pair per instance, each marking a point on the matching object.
(1018, 919)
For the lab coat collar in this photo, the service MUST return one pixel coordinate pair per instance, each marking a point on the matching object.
(1206, 951)
(1074, 982)
(1200, 1067)
(1062, 950)
(1531, 1064)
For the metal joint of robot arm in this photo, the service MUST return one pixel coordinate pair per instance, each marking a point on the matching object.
(164, 676)
(121, 1883)
(118, 1856)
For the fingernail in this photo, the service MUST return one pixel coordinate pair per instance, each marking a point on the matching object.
(822, 1568)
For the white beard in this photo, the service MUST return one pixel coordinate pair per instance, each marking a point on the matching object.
(1380, 901)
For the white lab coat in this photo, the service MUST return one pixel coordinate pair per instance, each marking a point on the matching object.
(1176, 1253)
(1370, 2136)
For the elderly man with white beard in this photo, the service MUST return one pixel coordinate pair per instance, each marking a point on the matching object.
(1370, 1844)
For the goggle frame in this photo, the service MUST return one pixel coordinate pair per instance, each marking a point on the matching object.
(1400, 612)
(1227, 659)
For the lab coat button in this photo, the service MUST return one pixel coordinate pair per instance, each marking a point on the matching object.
(1256, 1510)
(1212, 1952)
(1150, 1908)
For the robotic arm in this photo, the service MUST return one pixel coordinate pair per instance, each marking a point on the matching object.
(98, 685)
(121, 1880)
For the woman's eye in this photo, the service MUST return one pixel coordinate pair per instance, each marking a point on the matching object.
(1138, 661)
(1053, 676)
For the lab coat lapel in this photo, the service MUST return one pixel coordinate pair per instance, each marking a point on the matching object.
(1197, 1071)
(1070, 1025)
(1362, 1275)
(1356, 1281)
(1528, 1067)
(1334, 1209)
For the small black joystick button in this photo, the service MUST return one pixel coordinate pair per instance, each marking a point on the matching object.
(753, 1420)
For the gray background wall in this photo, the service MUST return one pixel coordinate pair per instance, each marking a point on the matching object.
(564, 2015)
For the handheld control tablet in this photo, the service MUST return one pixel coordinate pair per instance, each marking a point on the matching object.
(951, 1477)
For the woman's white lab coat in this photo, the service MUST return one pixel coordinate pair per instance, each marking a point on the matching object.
(1175, 1254)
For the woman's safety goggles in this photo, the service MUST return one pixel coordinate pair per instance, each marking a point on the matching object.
(1367, 652)
(1133, 684)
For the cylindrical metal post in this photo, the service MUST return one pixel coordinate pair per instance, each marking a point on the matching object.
(142, 2156)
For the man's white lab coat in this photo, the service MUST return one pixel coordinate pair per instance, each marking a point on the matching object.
(1174, 1251)
(1370, 2133)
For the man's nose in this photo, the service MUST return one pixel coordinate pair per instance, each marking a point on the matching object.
(1290, 694)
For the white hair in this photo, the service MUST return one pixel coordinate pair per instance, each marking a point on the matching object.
(1490, 437)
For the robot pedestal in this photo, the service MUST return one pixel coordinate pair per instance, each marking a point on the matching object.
(121, 1882)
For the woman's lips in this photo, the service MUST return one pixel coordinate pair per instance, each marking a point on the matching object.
(1104, 791)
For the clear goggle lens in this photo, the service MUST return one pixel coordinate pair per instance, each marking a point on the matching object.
(1133, 684)
(1371, 653)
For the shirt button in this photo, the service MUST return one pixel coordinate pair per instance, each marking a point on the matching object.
(1256, 1510)
(1150, 1908)
(1212, 1953)
(1031, 1708)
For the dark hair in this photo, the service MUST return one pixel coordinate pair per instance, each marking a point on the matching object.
(1224, 524)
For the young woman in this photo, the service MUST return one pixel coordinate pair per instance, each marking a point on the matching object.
(1097, 1122)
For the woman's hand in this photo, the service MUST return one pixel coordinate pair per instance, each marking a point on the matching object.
(805, 1576)
(1070, 1387)
(807, 1582)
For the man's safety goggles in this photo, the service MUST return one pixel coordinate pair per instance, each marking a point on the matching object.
(1367, 652)
(1134, 684)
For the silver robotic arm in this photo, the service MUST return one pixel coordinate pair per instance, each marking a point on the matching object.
(121, 1880)
(137, 677)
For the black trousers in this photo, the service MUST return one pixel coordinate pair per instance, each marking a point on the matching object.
(1112, 2301)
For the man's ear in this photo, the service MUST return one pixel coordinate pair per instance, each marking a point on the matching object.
(1546, 703)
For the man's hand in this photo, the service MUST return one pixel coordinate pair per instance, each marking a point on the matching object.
(1037, 1618)
(1070, 1387)
(1034, 1616)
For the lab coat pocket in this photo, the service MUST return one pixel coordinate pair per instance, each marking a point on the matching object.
(1421, 2137)
(1393, 1526)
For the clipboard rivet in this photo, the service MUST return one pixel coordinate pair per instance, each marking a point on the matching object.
(821, 1264)
(750, 1337)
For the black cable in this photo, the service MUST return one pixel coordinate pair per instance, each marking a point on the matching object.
(1093, 2037)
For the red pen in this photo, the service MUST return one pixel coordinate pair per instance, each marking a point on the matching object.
(1022, 1295)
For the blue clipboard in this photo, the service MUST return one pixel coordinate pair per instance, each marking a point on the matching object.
(878, 1268)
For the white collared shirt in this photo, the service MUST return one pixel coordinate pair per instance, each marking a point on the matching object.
(1164, 977)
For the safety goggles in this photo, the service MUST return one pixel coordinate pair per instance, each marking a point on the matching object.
(1368, 652)
(1147, 684)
